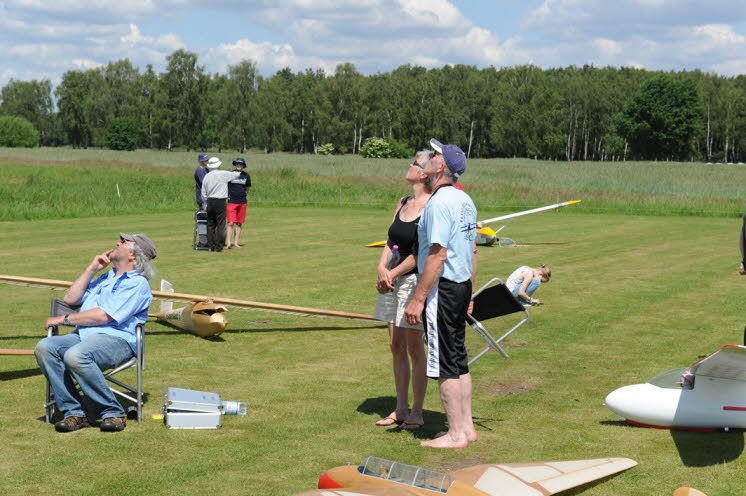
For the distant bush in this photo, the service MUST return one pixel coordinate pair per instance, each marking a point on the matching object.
(326, 149)
(398, 149)
(121, 134)
(17, 132)
(385, 148)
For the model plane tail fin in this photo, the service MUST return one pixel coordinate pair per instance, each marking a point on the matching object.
(166, 287)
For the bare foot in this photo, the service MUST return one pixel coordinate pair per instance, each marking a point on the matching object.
(471, 437)
(445, 441)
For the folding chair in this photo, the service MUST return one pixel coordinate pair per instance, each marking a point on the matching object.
(61, 308)
(493, 301)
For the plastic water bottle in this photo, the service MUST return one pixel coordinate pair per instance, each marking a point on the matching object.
(234, 408)
(394, 258)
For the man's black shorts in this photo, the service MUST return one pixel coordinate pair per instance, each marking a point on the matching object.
(445, 324)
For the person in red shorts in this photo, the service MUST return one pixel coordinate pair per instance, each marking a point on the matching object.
(237, 192)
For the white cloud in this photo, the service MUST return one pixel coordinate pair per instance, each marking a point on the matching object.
(268, 57)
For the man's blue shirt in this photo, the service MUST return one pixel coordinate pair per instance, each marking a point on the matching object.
(450, 220)
(125, 299)
(199, 177)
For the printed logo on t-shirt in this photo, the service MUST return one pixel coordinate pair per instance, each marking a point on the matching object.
(468, 224)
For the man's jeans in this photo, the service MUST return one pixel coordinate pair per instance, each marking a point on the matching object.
(532, 286)
(60, 357)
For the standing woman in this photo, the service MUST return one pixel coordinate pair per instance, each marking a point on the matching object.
(396, 288)
(525, 280)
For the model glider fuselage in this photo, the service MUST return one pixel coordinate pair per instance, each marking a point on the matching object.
(379, 477)
(711, 394)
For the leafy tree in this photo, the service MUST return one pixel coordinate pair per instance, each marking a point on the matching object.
(17, 132)
(184, 85)
(240, 102)
(122, 134)
(71, 100)
(662, 118)
(31, 100)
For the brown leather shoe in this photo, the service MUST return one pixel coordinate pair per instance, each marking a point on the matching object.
(69, 424)
(114, 424)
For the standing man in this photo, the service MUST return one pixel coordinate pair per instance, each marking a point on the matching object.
(237, 191)
(446, 261)
(199, 176)
(214, 192)
(111, 306)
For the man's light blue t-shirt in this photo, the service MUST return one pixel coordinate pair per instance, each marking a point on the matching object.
(450, 220)
(125, 299)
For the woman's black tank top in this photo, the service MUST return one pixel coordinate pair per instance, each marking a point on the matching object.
(404, 234)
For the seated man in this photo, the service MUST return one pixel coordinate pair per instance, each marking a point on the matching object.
(111, 307)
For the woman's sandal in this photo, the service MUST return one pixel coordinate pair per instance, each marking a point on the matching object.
(388, 421)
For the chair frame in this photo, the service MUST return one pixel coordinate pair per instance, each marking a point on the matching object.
(479, 328)
(137, 361)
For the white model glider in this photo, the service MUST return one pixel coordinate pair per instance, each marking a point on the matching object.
(709, 395)
(486, 236)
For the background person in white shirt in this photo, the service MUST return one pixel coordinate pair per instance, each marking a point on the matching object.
(215, 192)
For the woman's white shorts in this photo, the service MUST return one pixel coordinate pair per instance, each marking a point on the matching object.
(390, 306)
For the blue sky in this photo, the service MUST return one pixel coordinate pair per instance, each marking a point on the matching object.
(43, 39)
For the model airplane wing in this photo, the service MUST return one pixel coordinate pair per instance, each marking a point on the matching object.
(487, 236)
(541, 478)
(193, 298)
(729, 362)
(379, 477)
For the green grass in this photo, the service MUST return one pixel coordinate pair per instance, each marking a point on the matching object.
(631, 296)
(65, 183)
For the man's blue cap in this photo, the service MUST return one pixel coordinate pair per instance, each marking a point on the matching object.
(203, 157)
(239, 160)
(454, 157)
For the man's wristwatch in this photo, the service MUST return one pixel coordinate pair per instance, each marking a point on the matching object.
(66, 320)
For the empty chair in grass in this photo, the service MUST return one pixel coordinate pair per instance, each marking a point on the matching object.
(490, 301)
(112, 306)
(525, 280)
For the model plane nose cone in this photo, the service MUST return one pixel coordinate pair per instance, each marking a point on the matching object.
(326, 482)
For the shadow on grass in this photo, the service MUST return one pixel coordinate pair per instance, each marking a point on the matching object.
(129, 408)
(19, 374)
(702, 449)
(435, 422)
(150, 332)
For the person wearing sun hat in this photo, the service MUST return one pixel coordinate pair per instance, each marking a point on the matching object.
(215, 192)
(446, 260)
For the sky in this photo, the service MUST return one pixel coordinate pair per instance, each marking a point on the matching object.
(41, 39)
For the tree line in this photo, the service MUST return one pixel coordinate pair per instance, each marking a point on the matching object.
(570, 113)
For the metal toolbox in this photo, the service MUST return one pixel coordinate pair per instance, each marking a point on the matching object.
(188, 409)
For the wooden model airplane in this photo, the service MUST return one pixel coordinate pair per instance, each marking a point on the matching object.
(687, 491)
(203, 316)
(709, 395)
(487, 236)
(379, 477)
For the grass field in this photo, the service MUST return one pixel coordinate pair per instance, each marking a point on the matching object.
(631, 296)
(55, 183)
